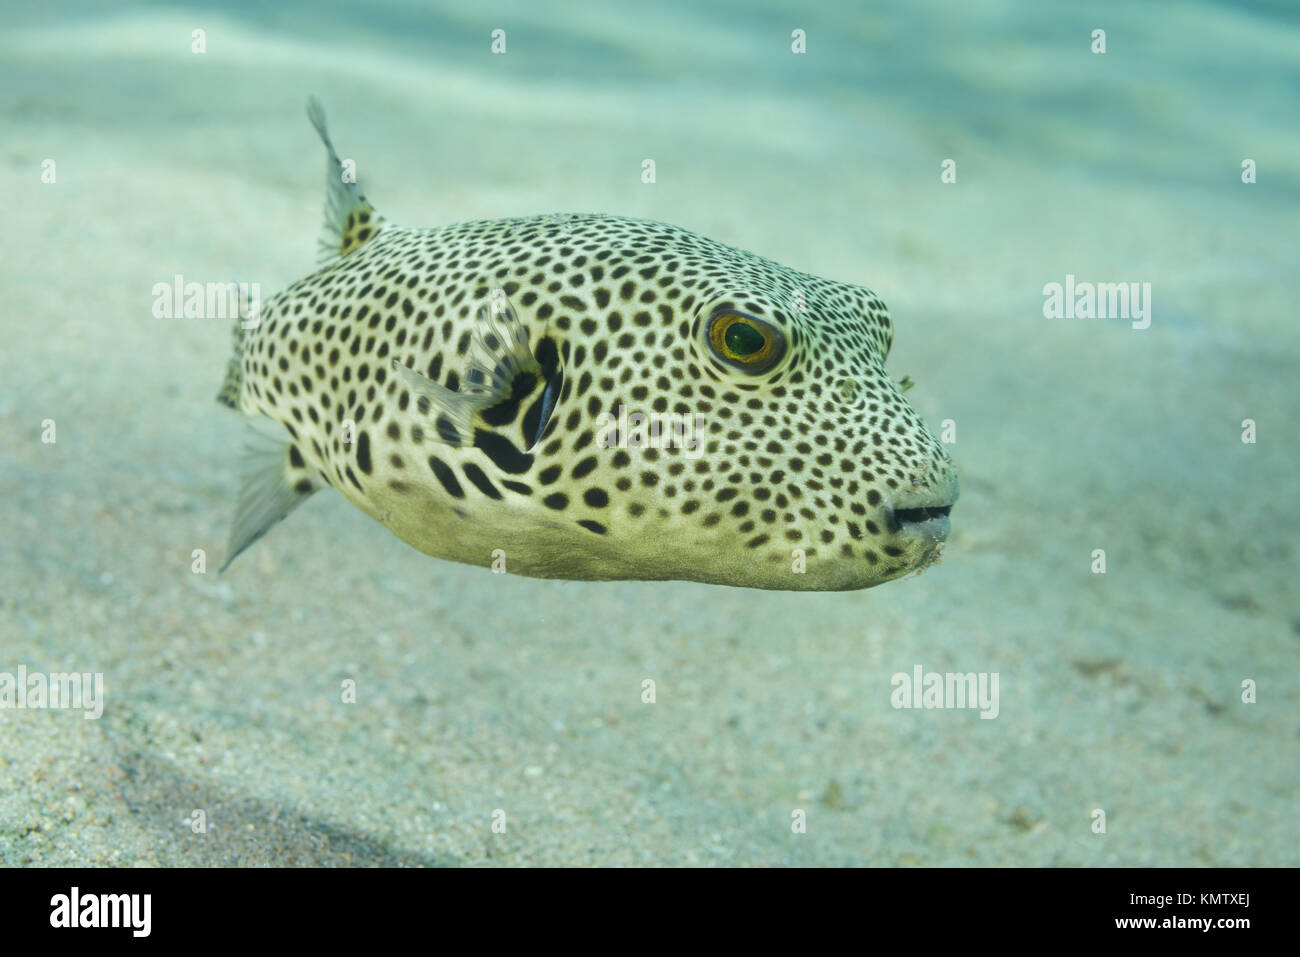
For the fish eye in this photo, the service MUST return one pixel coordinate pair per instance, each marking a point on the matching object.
(745, 342)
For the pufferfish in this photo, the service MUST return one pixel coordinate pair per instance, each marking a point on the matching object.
(589, 397)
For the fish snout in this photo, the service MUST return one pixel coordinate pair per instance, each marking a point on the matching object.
(918, 517)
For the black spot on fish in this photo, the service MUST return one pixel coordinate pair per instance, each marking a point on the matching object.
(447, 431)
(481, 481)
(446, 476)
(363, 452)
(502, 452)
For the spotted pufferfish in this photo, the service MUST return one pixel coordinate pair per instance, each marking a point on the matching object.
(470, 388)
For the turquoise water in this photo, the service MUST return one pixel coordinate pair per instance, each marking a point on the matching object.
(1161, 692)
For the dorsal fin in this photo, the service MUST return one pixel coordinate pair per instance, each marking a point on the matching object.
(350, 220)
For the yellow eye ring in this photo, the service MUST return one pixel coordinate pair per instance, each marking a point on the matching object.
(745, 342)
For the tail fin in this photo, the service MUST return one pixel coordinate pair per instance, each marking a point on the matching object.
(276, 481)
(350, 220)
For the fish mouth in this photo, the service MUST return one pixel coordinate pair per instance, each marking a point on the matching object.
(919, 517)
(927, 523)
(918, 532)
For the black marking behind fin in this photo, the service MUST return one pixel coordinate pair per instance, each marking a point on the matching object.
(538, 416)
(350, 220)
(276, 480)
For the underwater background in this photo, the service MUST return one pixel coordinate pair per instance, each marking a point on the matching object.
(1163, 692)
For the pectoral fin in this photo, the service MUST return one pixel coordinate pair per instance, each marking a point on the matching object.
(507, 393)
